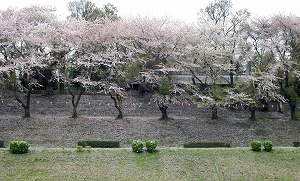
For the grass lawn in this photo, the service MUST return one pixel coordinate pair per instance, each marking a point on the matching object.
(165, 164)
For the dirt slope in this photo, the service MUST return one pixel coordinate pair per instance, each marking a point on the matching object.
(50, 125)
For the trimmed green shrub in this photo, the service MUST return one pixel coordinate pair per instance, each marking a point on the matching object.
(206, 145)
(18, 147)
(88, 148)
(137, 146)
(268, 145)
(151, 145)
(100, 144)
(296, 144)
(256, 145)
(1, 144)
(79, 148)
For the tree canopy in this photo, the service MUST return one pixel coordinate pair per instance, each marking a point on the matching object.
(225, 60)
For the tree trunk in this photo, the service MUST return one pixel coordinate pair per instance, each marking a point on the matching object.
(118, 105)
(214, 113)
(74, 112)
(164, 114)
(75, 102)
(120, 114)
(49, 89)
(252, 112)
(231, 73)
(26, 105)
(293, 106)
(47, 78)
(231, 79)
(286, 74)
(27, 112)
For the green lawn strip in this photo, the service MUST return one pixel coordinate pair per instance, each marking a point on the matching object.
(166, 164)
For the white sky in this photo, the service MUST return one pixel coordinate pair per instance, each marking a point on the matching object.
(185, 10)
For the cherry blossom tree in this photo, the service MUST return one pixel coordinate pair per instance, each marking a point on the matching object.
(159, 44)
(118, 55)
(231, 27)
(75, 59)
(272, 62)
(205, 61)
(24, 50)
(89, 57)
(286, 30)
(259, 83)
(214, 58)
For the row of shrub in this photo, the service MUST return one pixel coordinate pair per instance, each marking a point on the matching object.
(257, 145)
(100, 144)
(206, 145)
(19, 147)
(296, 144)
(138, 146)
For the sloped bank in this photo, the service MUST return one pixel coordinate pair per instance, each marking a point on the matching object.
(51, 127)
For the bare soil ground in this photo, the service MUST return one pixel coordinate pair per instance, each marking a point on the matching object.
(50, 125)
